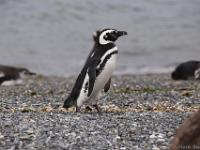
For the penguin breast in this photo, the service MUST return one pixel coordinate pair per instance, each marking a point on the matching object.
(105, 74)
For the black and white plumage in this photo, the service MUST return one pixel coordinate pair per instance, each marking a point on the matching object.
(97, 71)
(13, 75)
(189, 70)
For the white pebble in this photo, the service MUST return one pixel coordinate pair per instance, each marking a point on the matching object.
(152, 136)
(161, 135)
(155, 148)
(161, 140)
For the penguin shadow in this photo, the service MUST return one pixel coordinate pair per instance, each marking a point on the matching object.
(83, 110)
(89, 109)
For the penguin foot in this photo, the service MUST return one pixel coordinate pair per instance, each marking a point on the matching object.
(97, 107)
(78, 109)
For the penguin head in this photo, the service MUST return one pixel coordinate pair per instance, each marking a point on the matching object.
(23, 73)
(107, 36)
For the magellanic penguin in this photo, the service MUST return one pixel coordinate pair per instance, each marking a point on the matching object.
(97, 71)
(189, 70)
(13, 75)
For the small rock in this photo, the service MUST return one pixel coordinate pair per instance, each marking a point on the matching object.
(29, 131)
(164, 147)
(123, 148)
(160, 135)
(117, 137)
(1, 136)
(25, 137)
(47, 109)
(160, 140)
(30, 92)
(186, 93)
(155, 148)
(152, 136)
(114, 85)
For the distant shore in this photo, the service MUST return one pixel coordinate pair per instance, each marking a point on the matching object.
(139, 112)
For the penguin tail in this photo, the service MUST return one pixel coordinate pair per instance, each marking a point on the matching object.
(69, 102)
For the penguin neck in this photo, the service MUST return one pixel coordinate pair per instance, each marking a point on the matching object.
(105, 47)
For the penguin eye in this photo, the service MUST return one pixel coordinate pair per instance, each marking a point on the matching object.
(114, 32)
(105, 36)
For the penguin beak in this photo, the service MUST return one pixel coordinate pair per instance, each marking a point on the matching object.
(121, 33)
(30, 73)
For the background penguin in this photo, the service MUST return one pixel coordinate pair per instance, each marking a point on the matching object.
(97, 71)
(187, 70)
(12, 75)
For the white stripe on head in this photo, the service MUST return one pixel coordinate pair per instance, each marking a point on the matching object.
(2, 74)
(101, 37)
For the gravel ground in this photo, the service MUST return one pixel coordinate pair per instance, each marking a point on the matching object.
(139, 112)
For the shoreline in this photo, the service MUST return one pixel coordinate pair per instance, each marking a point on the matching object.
(140, 112)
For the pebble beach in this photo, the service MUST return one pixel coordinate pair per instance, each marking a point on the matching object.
(139, 112)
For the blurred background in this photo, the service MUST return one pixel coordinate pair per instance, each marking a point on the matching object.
(54, 37)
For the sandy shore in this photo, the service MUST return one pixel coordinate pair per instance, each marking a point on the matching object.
(139, 112)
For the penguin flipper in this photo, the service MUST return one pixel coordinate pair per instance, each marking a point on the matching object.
(92, 75)
(107, 85)
(69, 102)
(2, 79)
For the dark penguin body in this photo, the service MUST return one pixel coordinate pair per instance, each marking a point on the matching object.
(12, 75)
(189, 70)
(97, 71)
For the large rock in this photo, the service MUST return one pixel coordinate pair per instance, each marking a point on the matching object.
(188, 134)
